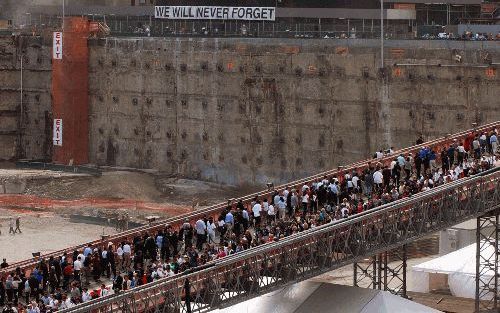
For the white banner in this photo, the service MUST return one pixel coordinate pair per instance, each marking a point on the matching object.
(215, 13)
(57, 46)
(58, 132)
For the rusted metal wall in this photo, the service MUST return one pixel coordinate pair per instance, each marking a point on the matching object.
(70, 93)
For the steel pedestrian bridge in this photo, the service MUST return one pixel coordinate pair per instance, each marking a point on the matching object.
(260, 270)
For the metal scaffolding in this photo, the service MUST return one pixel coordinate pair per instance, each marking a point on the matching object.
(487, 259)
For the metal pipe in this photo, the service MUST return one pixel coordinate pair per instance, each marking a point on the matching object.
(478, 259)
(21, 118)
(442, 65)
(381, 33)
(63, 14)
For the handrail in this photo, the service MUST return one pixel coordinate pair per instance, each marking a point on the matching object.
(216, 209)
(448, 191)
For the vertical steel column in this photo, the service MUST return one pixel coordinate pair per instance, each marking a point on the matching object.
(380, 274)
(380, 268)
(395, 274)
(187, 290)
(487, 257)
(365, 274)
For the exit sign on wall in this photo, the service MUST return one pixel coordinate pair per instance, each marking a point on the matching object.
(57, 46)
(58, 131)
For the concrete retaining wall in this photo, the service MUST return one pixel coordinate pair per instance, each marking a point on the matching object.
(258, 110)
(25, 131)
(252, 110)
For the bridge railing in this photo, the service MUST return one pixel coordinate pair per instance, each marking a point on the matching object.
(215, 211)
(271, 266)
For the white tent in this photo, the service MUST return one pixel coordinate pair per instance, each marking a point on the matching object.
(312, 297)
(458, 267)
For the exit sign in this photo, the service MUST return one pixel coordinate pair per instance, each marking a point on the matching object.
(57, 46)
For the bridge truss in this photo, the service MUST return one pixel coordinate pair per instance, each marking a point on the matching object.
(266, 268)
(272, 266)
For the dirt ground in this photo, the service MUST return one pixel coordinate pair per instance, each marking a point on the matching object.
(141, 193)
(43, 232)
(49, 198)
(139, 186)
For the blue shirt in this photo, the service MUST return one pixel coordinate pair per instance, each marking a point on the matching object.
(159, 241)
(87, 251)
(423, 154)
(493, 138)
(334, 189)
(432, 156)
(229, 218)
(244, 213)
(401, 161)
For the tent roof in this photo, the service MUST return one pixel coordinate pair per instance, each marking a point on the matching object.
(306, 297)
(462, 261)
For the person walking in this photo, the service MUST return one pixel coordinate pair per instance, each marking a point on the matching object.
(18, 224)
(11, 226)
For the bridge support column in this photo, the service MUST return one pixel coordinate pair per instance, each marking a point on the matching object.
(384, 271)
(487, 258)
(367, 274)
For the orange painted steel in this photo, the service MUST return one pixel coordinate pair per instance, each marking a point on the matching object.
(70, 93)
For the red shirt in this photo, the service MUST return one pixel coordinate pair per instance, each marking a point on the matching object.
(68, 270)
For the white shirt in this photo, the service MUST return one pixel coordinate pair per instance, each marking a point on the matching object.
(77, 265)
(119, 251)
(200, 227)
(86, 296)
(345, 212)
(378, 177)
(304, 188)
(34, 310)
(265, 206)
(256, 210)
(379, 154)
(210, 227)
(270, 211)
(305, 198)
(127, 249)
(82, 257)
(355, 180)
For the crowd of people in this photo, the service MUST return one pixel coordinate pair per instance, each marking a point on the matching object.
(68, 280)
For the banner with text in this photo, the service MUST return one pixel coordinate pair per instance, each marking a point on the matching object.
(215, 13)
